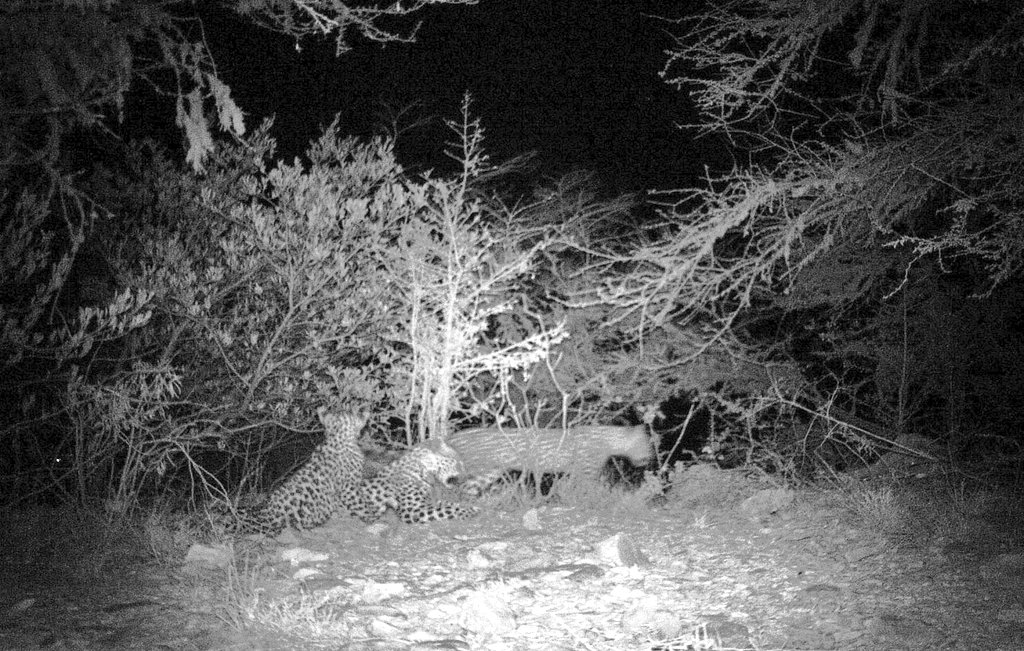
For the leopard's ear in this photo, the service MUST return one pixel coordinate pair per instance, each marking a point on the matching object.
(361, 415)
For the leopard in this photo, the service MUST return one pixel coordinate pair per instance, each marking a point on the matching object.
(490, 453)
(329, 481)
(406, 486)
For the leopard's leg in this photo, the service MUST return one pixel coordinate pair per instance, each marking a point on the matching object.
(454, 511)
(415, 507)
(375, 497)
(412, 505)
(350, 499)
(255, 520)
(268, 518)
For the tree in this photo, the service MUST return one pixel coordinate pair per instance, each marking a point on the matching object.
(883, 141)
(66, 69)
(916, 135)
(69, 64)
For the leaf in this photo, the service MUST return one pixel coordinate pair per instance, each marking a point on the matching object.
(230, 115)
(197, 131)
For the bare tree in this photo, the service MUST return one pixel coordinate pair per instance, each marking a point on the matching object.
(883, 189)
(69, 64)
(883, 120)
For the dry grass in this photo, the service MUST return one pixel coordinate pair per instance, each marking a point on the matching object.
(696, 639)
(706, 486)
(292, 619)
(168, 534)
(943, 511)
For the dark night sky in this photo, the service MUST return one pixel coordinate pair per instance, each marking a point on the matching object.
(576, 81)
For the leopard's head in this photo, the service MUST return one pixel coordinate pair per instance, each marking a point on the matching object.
(437, 461)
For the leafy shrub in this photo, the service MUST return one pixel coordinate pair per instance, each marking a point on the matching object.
(255, 292)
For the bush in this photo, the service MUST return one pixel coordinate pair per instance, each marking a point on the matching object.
(254, 293)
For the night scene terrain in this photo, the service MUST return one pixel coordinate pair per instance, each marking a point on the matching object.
(512, 325)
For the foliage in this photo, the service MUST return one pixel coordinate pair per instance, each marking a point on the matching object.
(265, 283)
(455, 268)
(302, 18)
(883, 192)
(50, 330)
(68, 65)
(232, 301)
(921, 157)
(258, 290)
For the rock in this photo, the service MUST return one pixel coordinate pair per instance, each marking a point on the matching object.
(621, 549)
(531, 520)
(374, 593)
(766, 502)
(728, 632)
(495, 549)
(657, 501)
(646, 619)
(476, 560)
(217, 556)
(382, 627)
(527, 559)
(586, 572)
(298, 555)
(440, 645)
(486, 613)
(305, 573)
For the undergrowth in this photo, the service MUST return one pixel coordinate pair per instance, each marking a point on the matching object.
(944, 511)
(70, 543)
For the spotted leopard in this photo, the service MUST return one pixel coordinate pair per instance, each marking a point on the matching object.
(329, 481)
(488, 453)
(405, 486)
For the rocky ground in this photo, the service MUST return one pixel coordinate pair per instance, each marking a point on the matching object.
(723, 563)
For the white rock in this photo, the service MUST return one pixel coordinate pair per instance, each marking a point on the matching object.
(208, 555)
(297, 555)
(374, 593)
(645, 618)
(494, 549)
(483, 612)
(621, 550)
(383, 628)
(531, 520)
(766, 502)
(475, 559)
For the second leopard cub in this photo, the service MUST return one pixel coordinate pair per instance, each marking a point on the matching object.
(405, 486)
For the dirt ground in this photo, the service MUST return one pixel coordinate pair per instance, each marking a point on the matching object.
(718, 565)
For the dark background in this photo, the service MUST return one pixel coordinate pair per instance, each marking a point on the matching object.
(577, 82)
